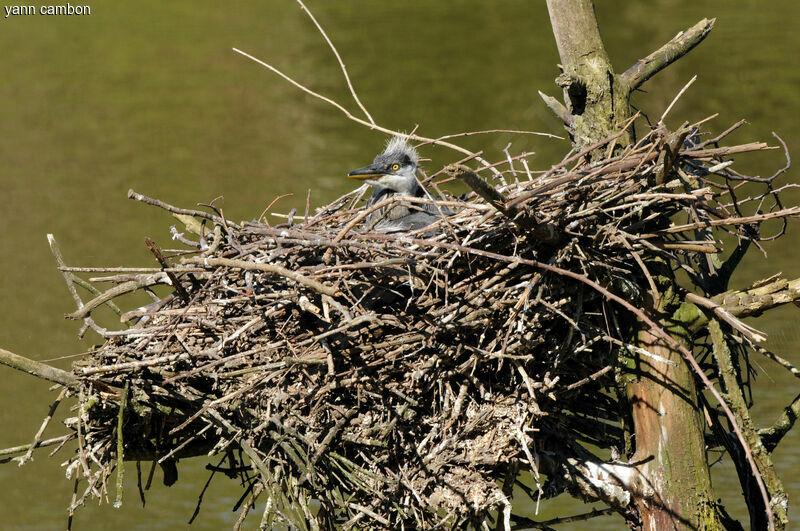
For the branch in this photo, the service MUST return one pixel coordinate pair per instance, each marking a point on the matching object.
(172, 278)
(727, 268)
(39, 444)
(558, 109)
(339, 59)
(679, 46)
(544, 232)
(319, 287)
(771, 436)
(769, 481)
(723, 314)
(40, 370)
(116, 291)
(673, 142)
(364, 122)
(760, 297)
(793, 212)
(732, 305)
(175, 210)
(70, 279)
(527, 523)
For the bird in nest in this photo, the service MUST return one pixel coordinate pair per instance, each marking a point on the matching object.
(393, 172)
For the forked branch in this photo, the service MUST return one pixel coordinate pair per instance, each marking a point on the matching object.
(676, 48)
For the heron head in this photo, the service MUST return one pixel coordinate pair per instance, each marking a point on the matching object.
(394, 168)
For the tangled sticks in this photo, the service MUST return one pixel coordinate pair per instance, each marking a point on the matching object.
(378, 379)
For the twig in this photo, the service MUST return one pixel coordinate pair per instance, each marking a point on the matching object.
(493, 131)
(131, 365)
(116, 291)
(37, 438)
(41, 444)
(592, 377)
(530, 524)
(266, 268)
(123, 403)
(175, 210)
(787, 212)
(173, 280)
(359, 120)
(676, 98)
(339, 59)
(544, 232)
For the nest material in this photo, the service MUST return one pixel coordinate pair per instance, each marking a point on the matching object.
(390, 379)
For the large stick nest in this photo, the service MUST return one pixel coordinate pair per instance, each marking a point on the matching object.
(390, 379)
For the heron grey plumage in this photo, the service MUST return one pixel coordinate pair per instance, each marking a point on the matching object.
(393, 172)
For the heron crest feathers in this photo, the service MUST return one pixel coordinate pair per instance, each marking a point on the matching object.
(397, 146)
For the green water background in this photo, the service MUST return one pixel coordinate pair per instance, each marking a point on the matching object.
(148, 95)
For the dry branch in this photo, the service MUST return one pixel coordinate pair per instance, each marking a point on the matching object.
(40, 370)
(676, 48)
(265, 268)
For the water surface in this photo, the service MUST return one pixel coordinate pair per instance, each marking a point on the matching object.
(148, 95)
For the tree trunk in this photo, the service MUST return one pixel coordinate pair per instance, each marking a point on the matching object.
(596, 102)
(673, 489)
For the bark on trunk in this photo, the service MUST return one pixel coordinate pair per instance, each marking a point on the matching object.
(675, 490)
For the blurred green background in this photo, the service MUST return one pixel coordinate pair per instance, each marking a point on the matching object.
(149, 95)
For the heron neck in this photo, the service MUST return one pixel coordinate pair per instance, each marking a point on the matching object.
(405, 184)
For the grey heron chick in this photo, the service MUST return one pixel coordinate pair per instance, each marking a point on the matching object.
(394, 172)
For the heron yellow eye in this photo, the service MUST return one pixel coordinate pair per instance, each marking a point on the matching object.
(395, 167)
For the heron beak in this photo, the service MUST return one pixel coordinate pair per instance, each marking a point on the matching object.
(372, 171)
